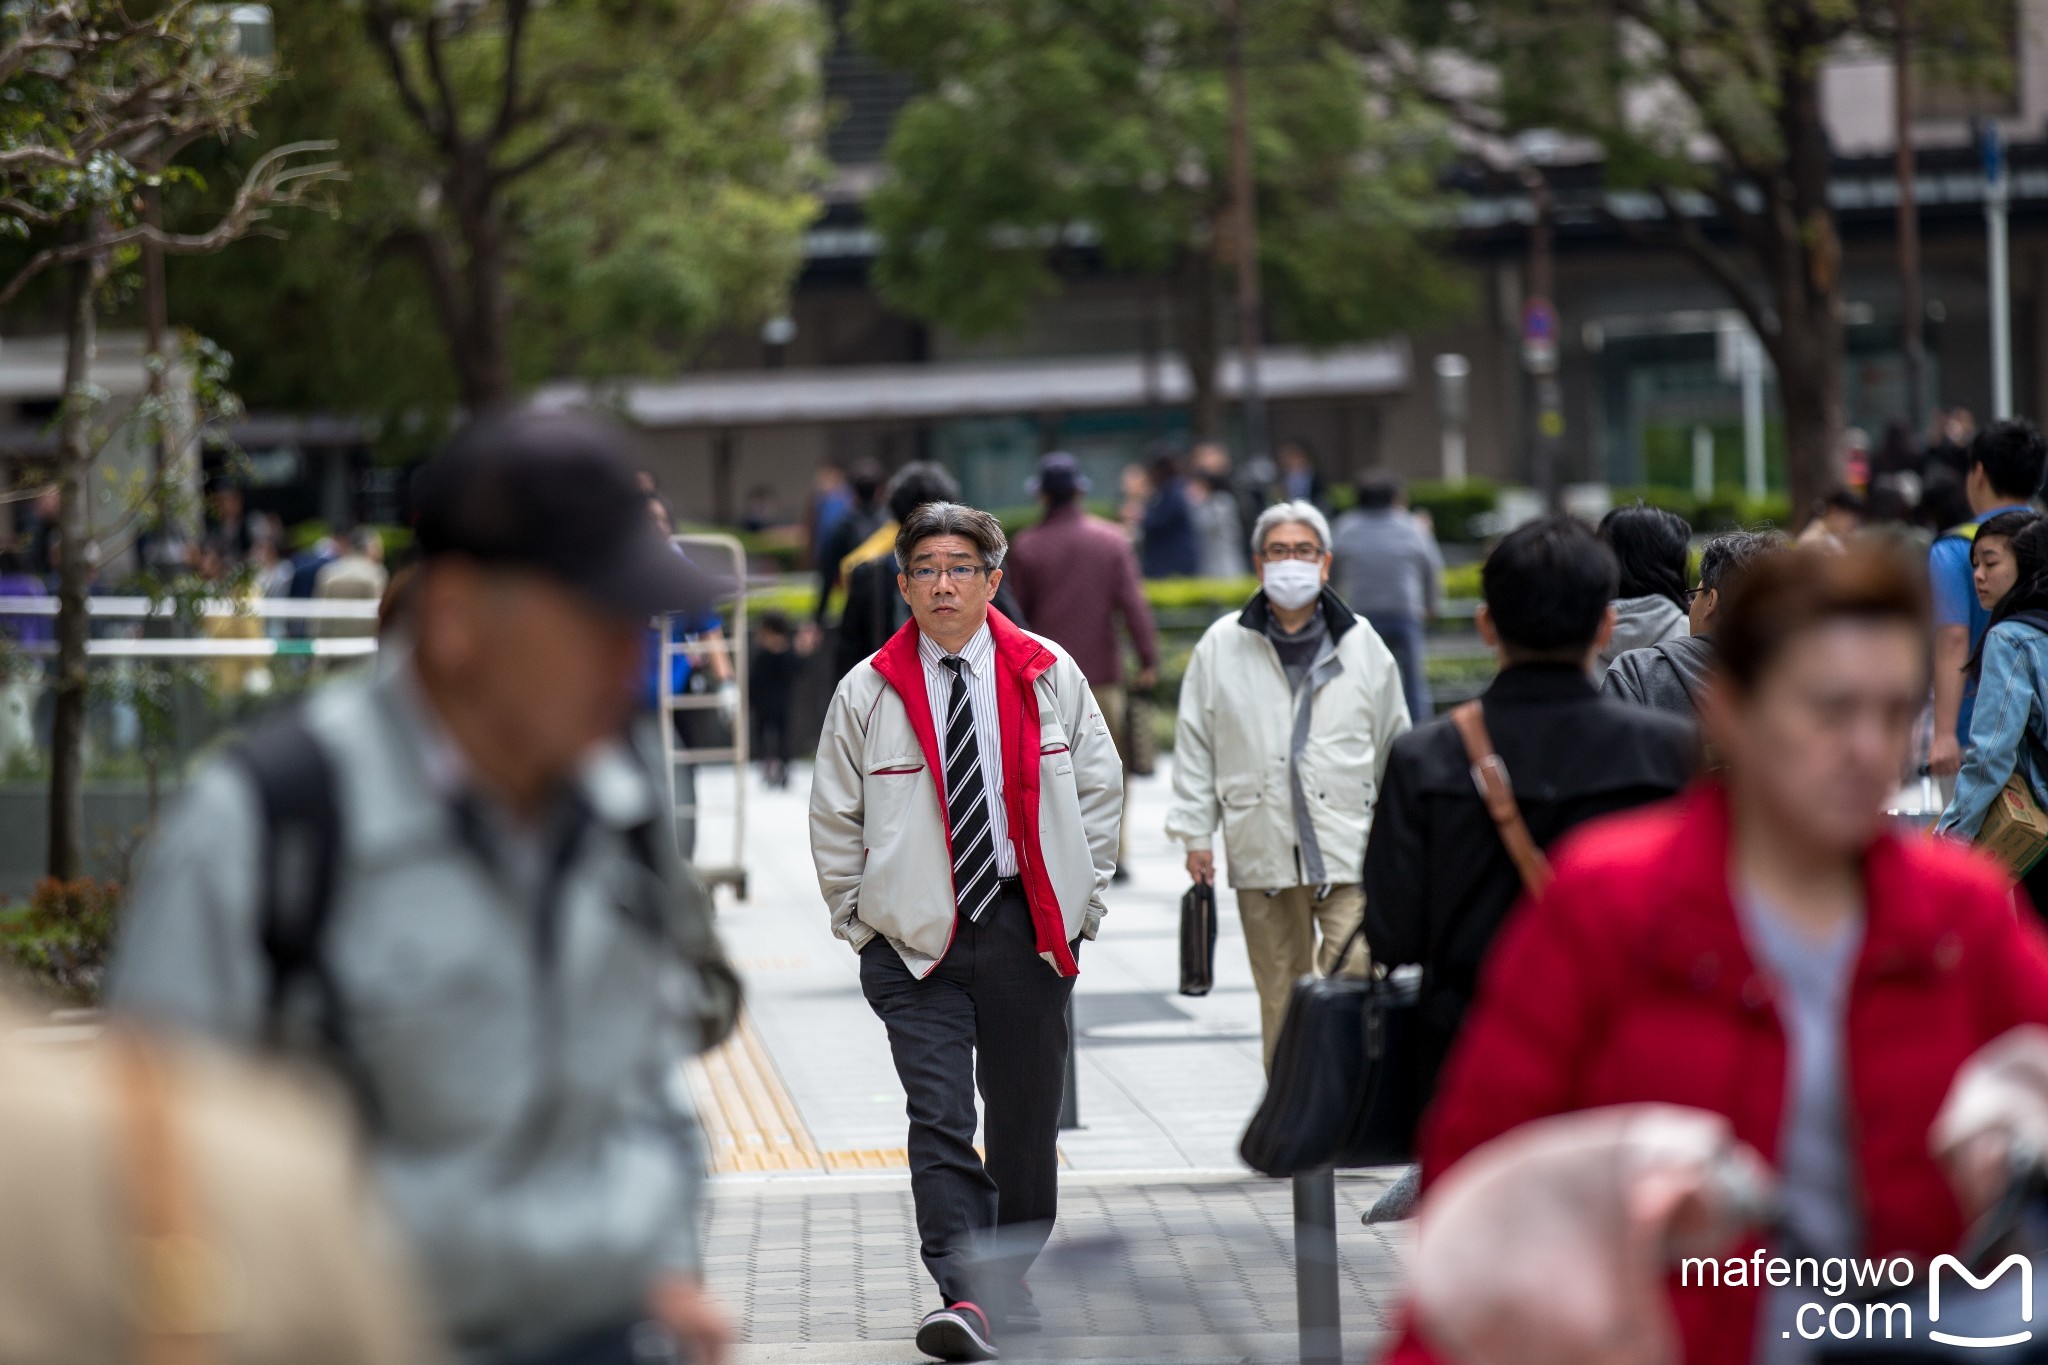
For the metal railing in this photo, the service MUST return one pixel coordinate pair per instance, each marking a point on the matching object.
(672, 706)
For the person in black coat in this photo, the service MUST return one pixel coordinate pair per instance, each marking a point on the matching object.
(875, 609)
(1438, 881)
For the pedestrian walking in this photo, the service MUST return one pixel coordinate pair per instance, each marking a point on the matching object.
(773, 667)
(2007, 460)
(1300, 478)
(1389, 570)
(1438, 880)
(1768, 948)
(857, 535)
(1167, 547)
(1219, 531)
(964, 815)
(1670, 676)
(1288, 712)
(357, 574)
(1651, 546)
(2009, 723)
(1075, 575)
(449, 886)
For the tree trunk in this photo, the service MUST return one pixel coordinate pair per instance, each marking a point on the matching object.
(66, 859)
(484, 359)
(1201, 348)
(1809, 364)
(1806, 277)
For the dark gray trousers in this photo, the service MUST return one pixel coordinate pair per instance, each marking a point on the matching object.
(992, 1015)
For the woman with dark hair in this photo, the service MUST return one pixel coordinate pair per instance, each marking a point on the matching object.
(1650, 608)
(2010, 723)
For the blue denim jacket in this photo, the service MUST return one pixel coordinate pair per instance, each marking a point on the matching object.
(2012, 698)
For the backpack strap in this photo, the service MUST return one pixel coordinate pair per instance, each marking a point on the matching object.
(1490, 775)
(300, 866)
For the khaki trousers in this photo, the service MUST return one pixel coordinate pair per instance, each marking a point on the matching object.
(1281, 929)
(1109, 699)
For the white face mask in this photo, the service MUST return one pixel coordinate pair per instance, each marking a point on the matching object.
(1292, 584)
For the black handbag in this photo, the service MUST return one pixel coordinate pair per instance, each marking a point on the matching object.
(1198, 939)
(1345, 1088)
(1346, 1081)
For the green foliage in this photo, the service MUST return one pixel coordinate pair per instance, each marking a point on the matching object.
(653, 187)
(1053, 125)
(61, 940)
(1453, 506)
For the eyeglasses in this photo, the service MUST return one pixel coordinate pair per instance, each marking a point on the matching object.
(1273, 554)
(961, 574)
(1692, 595)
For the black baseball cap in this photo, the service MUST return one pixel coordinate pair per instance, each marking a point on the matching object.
(558, 493)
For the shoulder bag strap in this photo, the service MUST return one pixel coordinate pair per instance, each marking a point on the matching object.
(1490, 775)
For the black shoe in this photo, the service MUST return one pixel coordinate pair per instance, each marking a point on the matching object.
(1020, 1314)
(1120, 875)
(958, 1331)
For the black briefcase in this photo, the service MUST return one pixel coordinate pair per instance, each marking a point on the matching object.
(1198, 939)
(1345, 1087)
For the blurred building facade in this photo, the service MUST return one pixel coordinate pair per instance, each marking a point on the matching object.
(844, 377)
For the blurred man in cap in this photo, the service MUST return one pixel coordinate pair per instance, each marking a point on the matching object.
(451, 884)
(1076, 576)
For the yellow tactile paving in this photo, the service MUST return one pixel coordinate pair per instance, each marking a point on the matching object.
(750, 1121)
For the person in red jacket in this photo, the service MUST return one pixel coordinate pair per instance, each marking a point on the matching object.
(1768, 947)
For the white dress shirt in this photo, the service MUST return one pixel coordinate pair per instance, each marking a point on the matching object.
(980, 672)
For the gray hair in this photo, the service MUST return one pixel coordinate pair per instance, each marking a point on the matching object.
(1729, 554)
(1304, 512)
(980, 529)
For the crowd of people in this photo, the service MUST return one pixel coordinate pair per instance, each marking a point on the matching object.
(1697, 895)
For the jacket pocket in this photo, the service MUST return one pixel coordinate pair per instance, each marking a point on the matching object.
(889, 793)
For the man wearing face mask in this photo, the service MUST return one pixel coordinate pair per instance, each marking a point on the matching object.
(1287, 713)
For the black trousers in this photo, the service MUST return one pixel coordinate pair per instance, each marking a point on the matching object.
(992, 1015)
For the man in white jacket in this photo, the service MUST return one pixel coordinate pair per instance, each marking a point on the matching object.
(964, 816)
(1287, 713)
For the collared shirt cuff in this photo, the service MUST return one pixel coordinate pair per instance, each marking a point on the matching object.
(1199, 843)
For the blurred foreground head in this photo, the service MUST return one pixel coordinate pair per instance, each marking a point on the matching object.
(1821, 675)
(163, 1202)
(541, 569)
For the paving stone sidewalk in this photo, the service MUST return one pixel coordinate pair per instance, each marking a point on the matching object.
(1166, 1250)
(1175, 1269)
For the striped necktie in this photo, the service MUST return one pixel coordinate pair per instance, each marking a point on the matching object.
(974, 846)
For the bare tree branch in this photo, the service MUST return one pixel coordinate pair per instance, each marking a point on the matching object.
(382, 23)
(515, 37)
(274, 182)
(546, 152)
(1687, 236)
(444, 88)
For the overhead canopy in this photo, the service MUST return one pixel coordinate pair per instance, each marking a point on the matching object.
(983, 387)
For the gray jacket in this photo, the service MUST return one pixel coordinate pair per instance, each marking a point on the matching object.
(530, 1125)
(1640, 622)
(1666, 677)
(1386, 564)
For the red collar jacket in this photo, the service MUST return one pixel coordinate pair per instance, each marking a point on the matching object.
(1630, 981)
(879, 827)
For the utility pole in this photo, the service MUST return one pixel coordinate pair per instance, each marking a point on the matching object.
(1911, 308)
(1541, 341)
(1997, 189)
(1245, 229)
